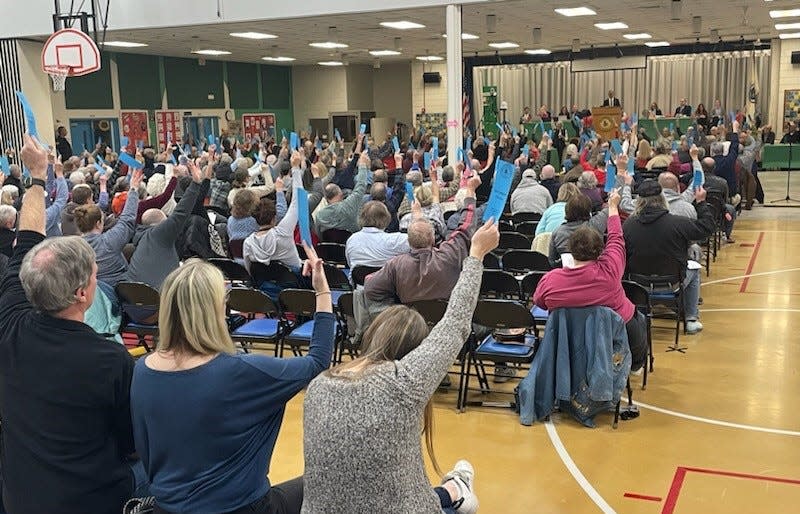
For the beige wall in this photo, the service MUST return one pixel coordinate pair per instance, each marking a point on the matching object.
(785, 75)
(431, 96)
(392, 92)
(37, 87)
(316, 91)
(359, 88)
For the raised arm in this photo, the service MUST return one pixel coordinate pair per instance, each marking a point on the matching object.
(167, 231)
(457, 246)
(122, 231)
(280, 200)
(286, 226)
(613, 257)
(420, 372)
(53, 213)
(157, 202)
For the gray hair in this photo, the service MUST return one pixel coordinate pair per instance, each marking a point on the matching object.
(8, 216)
(587, 180)
(51, 292)
(643, 202)
(717, 148)
(77, 177)
(10, 192)
(415, 177)
(225, 159)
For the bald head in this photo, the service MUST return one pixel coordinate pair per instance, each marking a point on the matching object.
(708, 165)
(333, 193)
(669, 181)
(153, 217)
(548, 172)
(378, 192)
(420, 234)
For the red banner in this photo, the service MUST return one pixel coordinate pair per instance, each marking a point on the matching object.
(135, 127)
(261, 125)
(169, 127)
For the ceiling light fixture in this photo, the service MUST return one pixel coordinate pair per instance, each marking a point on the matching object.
(383, 53)
(614, 25)
(211, 52)
(328, 45)
(576, 11)
(253, 35)
(789, 35)
(785, 13)
(429, 58)
(653, 44)
(402, 25)
(124, 44)
(640, 35)
(465, 36)
(502, 45)
(538, 51)
(278, 58)
(331, 63)
(787, 26)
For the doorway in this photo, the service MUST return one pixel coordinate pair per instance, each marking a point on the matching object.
(86, 133)
(197, 128)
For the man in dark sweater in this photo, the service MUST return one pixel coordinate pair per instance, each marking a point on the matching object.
(64, 390)
(726, 164)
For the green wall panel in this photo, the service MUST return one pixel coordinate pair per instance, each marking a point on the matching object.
(92, 91)
(276, 86)
(139, 86)
(189, 84)
(242, 84)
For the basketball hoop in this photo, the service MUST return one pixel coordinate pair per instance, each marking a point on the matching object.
(59, 76)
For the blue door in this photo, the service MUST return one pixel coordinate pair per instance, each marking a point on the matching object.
(86, 133)
(197, 128)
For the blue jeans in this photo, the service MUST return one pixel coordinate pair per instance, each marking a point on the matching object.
(691, 294)
(141, 485)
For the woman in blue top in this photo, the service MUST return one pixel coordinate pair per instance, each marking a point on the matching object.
(554, 216)
(205, 419)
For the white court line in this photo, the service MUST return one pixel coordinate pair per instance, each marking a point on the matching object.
(573, 469)
(718, 422)
(754, 309)
(775, 272)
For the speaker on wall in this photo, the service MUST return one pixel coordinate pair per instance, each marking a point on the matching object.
(431, 77)
(795, 57)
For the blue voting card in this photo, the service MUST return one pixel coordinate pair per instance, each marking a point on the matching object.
(172, 159)
(100, 168)
(616, 146)
(631, 166)
(674, 146)
(30, 118)
(469, 144)
(337, 135)
(525, 151)
(123, 141)
(426, 160)
(294, 141)
(410, 192)
(698, 179)
(611, 177)
(363, 129)
(302, 215)
(5, 166)
(130, 161)
(435, 147)
(503, 175)
(396, 144)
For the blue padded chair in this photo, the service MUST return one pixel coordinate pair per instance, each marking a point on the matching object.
(496, 314)
(301, 304)
(140, 303)
(251, 303)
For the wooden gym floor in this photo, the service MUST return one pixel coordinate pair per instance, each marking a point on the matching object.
(719, 430)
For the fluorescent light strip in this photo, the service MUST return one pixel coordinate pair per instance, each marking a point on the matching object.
(383, 53)
(253, 35)
(402, 25)
(211, 52)
(124, 44)
(465, 35)
(504, 45)
(538, 51)
(787, 26)
(653, 44)
(429, 58)
(611, 26)
(786, 13)
(576, 11)
(789, 35)
(328, 45)
(640, 35)
(278, 59)
(331, 63)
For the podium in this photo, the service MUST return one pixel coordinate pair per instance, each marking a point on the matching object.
(606, 122)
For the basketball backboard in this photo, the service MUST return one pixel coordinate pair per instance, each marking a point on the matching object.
(72, 49)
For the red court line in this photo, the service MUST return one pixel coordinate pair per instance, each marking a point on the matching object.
(752, 262)
(636, 496)
(744, 475)
(674, 491)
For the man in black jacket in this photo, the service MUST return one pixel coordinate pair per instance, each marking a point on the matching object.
(651, 231)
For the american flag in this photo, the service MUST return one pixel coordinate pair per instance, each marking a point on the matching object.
(465, 114)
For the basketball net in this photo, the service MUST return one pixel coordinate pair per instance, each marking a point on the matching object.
(59, 76)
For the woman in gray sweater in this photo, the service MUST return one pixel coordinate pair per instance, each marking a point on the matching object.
(363, 420)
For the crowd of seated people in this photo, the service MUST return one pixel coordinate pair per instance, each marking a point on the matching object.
(122, 426)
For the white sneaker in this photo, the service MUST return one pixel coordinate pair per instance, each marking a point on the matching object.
(693, 327)
(463, 475)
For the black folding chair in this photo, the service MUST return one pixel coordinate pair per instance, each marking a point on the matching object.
(497, 315)
(639, 297)
(513, 241)
(499, 284)
(522, 217)
(297, 309)
(337, 281)
(490, 261)
(523, 261)
(433, 312)
(360, 273)
(233, 272)
(140, 303)
(333, 253)
(262, 323)
(345, 313)
(505, 226)
(527, 228)
(276, 272)
(335, 235)
(528, 286)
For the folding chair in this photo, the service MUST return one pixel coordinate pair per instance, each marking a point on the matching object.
(140, 303)
(236, 248)
(499, 284)
(664, 289)
(527, 228)
(524, 261)
(529, 284)
(333, 253)
(301, 304)
(639, 297)
(256, 330)
(234, 272)
(360, 273)
(513, 241)
(345, 313)
(336, 235)
(522, 217)
(497, 315)
(490, 261)
(275, 272)
(505, 226)
(337, 281)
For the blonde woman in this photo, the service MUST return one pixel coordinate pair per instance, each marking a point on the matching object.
(553, 216)
(205, 419)
(428, 197)
(362, 421)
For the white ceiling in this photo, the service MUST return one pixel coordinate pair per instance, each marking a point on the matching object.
(515, 21)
